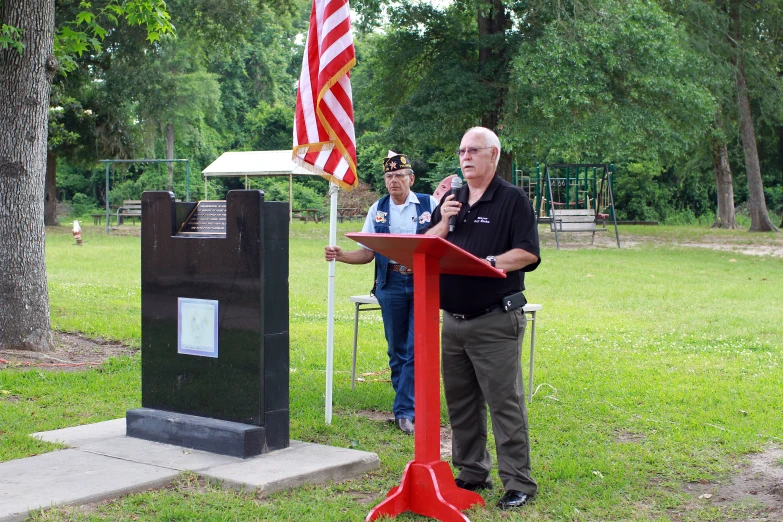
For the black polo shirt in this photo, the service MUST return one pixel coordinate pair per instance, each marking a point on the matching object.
(501, 220)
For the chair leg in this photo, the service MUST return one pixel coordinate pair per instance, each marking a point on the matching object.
(355, 340)
(532, 355)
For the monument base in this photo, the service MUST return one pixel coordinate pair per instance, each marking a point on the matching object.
(201, 433)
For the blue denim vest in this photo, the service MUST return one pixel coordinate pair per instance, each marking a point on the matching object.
(382, 227)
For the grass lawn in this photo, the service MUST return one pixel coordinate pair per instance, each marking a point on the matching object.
(657, 366)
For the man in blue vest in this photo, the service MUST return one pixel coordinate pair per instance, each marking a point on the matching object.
(400, 212)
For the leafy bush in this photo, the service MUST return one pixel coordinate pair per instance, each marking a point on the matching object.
(638, 194)
(128, 189)
(362, 197)
(81, 205)
(276, 189)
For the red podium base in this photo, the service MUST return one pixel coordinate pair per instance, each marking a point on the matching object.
(427, 486)
(429, 490)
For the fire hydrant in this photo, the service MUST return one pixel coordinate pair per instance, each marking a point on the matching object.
(77, 233)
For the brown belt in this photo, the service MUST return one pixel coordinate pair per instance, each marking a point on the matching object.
(394, 267)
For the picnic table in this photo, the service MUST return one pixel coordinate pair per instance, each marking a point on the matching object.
(348, 212)
(307, 213)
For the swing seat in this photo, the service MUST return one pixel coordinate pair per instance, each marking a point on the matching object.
(581, 220)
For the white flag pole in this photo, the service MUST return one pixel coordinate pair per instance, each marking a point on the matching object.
(333, 189)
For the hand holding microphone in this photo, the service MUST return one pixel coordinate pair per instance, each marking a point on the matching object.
(456, 185)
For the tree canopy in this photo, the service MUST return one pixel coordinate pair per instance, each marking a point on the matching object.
(680, 96)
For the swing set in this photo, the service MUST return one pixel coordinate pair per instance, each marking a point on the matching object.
(572, 197)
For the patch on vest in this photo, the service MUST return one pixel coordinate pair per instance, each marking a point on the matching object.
(380, 217)
(425, 217)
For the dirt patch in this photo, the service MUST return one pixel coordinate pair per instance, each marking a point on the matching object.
(445, 442)
(361, 497)
(625, 437)
(7, 396)
(578, 241)
(378, 416)
(126, 230)
(71, 352)
(754, 493)
(751, 250)
(374, 376)
(387, 416)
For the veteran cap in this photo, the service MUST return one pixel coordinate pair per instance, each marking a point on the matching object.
(394, 161)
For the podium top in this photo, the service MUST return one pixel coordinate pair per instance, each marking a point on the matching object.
(451, 258)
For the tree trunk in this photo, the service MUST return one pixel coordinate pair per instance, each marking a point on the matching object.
(757, 206)
(24, 102)
(170, 152)
(725, 217)
(50, 201)
(493, 61)
(506, 166)
(780, 165)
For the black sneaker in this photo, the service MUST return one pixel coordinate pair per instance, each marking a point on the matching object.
(470, 486)
(513, 499)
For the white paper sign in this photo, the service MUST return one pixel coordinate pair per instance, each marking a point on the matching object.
(197, 331)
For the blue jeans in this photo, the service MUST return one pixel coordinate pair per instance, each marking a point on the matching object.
(396, 300)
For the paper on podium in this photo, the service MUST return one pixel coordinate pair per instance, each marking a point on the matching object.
(451, 259)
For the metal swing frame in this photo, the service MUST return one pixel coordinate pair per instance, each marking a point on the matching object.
(605, 184)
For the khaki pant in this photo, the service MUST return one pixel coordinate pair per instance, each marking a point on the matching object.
(481, 366)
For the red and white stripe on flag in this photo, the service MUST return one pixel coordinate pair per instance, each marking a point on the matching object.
(324, 138)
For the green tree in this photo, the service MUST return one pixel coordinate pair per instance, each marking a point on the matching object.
(28, 64)
(226, 60)
(177, 93)
(741, 40)
(755, 29)
(268, 127)
(616, 84)
(434, 72)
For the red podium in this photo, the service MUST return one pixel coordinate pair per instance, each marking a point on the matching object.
(427, 487)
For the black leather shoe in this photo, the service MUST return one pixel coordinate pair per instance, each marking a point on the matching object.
(513, 499)
(470, 486)
(405, 425)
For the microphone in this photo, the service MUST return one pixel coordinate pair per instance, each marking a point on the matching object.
(456, 184)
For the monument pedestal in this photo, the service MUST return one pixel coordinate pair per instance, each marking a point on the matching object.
(214, 318)
(191, 431)
(427, 485)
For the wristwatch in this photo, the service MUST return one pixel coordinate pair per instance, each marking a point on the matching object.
(491, 260)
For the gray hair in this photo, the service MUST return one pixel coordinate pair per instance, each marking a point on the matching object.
(490, 139)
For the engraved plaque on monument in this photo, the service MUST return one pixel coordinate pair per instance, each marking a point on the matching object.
(208, 218)
(214, 307)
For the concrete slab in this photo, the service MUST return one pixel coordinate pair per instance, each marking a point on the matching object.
(104, 463)
(158, 454)
(301, 463)
(78, 435)
(71, 477)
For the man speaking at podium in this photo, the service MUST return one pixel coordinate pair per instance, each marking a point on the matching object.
(483, 321)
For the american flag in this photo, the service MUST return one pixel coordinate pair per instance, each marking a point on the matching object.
(324, 139)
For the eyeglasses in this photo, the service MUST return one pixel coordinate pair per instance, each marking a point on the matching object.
(397, 176)
(470, 150)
